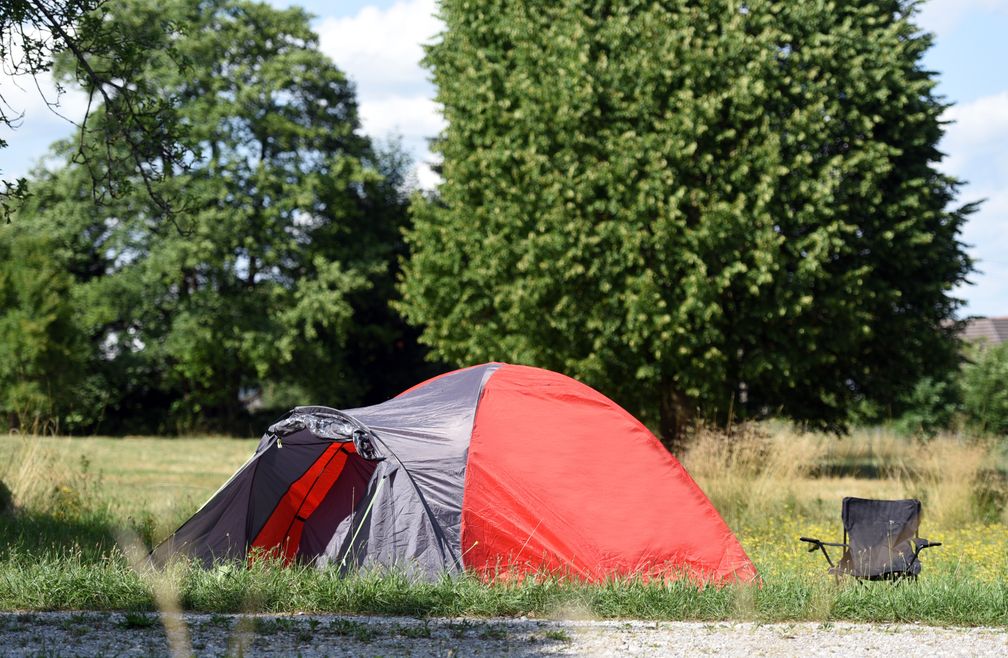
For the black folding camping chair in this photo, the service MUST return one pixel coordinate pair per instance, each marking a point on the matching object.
(880, 540)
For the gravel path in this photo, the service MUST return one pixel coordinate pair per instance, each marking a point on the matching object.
(117, 634)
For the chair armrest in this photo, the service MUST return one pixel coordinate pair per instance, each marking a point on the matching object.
(820, 545)
(819, 542)
(920, 544)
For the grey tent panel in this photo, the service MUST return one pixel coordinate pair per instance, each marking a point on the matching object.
(392, 528)
(347, 497)
(396, 502)
(217, 531)
(417, 513)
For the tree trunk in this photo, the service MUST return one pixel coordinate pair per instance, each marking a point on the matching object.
(676, 417)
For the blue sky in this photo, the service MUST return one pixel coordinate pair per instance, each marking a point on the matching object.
(378, 44)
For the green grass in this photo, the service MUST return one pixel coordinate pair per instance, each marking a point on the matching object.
(59, 551)
(67, 582)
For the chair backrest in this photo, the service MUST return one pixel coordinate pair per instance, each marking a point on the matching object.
(878, 533)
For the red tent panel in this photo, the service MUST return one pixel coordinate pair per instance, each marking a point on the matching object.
(563, 480)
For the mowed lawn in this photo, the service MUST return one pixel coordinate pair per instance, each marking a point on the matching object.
(83, 502)
(163, 477)
(163, 480)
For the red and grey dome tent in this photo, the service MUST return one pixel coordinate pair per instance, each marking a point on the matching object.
(495, 469)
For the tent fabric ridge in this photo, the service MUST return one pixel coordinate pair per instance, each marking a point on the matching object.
(362, 436)
(248, 505)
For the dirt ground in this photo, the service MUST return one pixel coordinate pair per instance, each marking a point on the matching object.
(117, 634)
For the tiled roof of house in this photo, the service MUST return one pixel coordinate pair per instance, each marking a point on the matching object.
(993, 331)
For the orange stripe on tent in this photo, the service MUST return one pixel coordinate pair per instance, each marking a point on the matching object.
(281, 535)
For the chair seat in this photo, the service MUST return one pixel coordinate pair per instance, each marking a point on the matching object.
(877, 574)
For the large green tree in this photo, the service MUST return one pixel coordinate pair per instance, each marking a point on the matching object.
(724, 208)
(283, 262)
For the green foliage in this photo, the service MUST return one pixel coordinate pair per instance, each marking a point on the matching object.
(985, 389)
(42, 352)
(284, 256)
(931, 406)
(743, 217)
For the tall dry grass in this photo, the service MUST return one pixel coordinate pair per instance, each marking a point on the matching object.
(766, 471)
(957, 480)
(31, 470)
(43, 482)
(754, 470)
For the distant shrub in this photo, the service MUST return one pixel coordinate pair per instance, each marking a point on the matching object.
(985, 389)
(930, 407)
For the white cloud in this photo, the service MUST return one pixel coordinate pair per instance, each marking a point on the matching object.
(977, 148)
(427, 178)
(21, 95)
(415, 118)
(979, 130)
(382, 48)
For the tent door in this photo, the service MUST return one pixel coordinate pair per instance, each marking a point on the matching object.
(281, 535)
